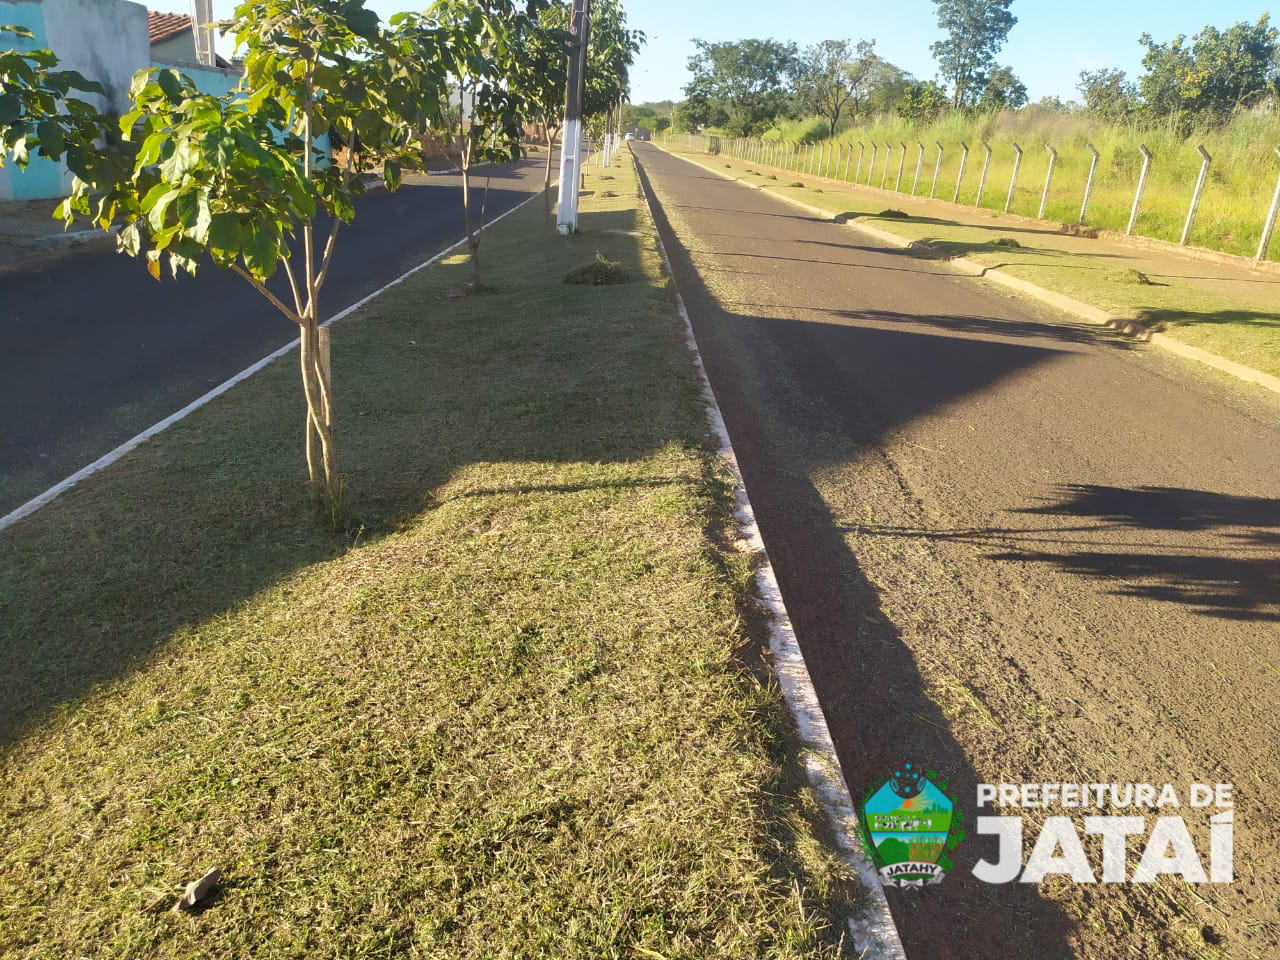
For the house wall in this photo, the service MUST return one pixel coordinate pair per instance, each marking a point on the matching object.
(106, 40)
(180, 47)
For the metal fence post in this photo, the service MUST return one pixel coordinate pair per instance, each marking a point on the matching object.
(1195, 197)
(919, 163)
(982, 178)
(871, 167)
(826, 167)
(1048, 179)
(902, 159)
(888, 155)
(1142, 185)
(1088, 186)
(937, 169)
(964, 159)
(1013, 180)
(847, 161)
(1270, 223)
(862, 148)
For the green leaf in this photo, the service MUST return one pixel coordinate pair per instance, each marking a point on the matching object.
(219, 149)
(224, 236)
(151, 148)
(10, 107)
(261, 250)
(51, 138)
(170, 83)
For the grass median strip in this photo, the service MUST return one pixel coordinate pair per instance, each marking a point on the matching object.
(516, 707)
(1226, 310)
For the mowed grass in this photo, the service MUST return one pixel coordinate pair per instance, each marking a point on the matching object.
(1225, 309)
(513, 707)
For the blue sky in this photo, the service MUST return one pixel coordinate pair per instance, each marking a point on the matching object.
(1051, 44)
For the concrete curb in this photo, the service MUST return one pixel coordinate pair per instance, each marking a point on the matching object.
(1078, 308)
(107, 459)
(75, 240)
(875, 935)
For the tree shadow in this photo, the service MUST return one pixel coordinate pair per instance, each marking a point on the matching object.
(876, 701)
(207, 515)
(1159, 319)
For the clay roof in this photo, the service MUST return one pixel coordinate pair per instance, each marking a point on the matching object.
(162, 26)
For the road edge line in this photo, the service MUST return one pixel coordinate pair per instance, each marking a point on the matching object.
(1078, 308)
(876, 934)
(111, 457)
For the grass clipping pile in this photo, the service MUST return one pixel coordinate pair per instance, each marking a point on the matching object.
(521, 715)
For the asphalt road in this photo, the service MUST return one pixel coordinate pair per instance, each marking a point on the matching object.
(93, 351)
(1015, 548)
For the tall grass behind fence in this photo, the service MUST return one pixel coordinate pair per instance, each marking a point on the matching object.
(1231, 215)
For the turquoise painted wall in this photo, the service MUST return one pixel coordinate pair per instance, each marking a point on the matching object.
(42, 178)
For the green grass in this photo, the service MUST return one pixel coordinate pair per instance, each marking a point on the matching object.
(515, 708)
(1225, 310)
(1241, 181)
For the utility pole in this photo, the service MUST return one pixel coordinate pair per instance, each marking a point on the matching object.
(571, 142)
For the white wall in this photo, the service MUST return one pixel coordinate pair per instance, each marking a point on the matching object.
(106, 40)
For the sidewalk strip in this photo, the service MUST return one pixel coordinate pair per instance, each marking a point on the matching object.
(875, 934)
(106, 460)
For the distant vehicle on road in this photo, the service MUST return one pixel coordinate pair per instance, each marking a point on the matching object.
(630, 136)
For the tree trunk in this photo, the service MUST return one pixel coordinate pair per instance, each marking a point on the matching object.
(473, 241)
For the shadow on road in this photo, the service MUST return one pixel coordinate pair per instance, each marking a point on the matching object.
(877, 703)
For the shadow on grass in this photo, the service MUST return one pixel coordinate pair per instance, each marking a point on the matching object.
(1161, 319)
(207, 515)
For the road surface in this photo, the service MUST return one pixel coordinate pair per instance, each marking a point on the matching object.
(95, 351)
(1015, 549)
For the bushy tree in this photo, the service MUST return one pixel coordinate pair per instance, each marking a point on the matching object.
(745, 82)
(1003, 91)
(544, 67)
(923, 103)
(976, 31)
(1218, 72)
(1108, 94)
(834, 75)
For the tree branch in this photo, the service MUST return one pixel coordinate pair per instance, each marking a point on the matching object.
(262, 289)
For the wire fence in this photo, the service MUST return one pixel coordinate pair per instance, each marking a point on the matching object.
(1036, 181)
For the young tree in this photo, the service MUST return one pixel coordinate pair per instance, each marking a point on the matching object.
(976, 31)
(746, 81)
(1003, 91)
(544, 63)
(833, 75)
(1108, 94)
(611, 52)
(479, 44)
(242, 178)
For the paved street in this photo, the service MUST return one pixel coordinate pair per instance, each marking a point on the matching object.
(92, 350)
(1015, 548)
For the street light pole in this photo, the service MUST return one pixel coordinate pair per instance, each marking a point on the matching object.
(571, 142)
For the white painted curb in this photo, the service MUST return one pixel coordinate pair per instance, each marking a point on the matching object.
(35, 503)
(874, 934)
(1084, 311)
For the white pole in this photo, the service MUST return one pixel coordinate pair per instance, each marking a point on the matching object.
(1195, 197)
(1013, 180)
(1088, 186)
(1142, 184)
